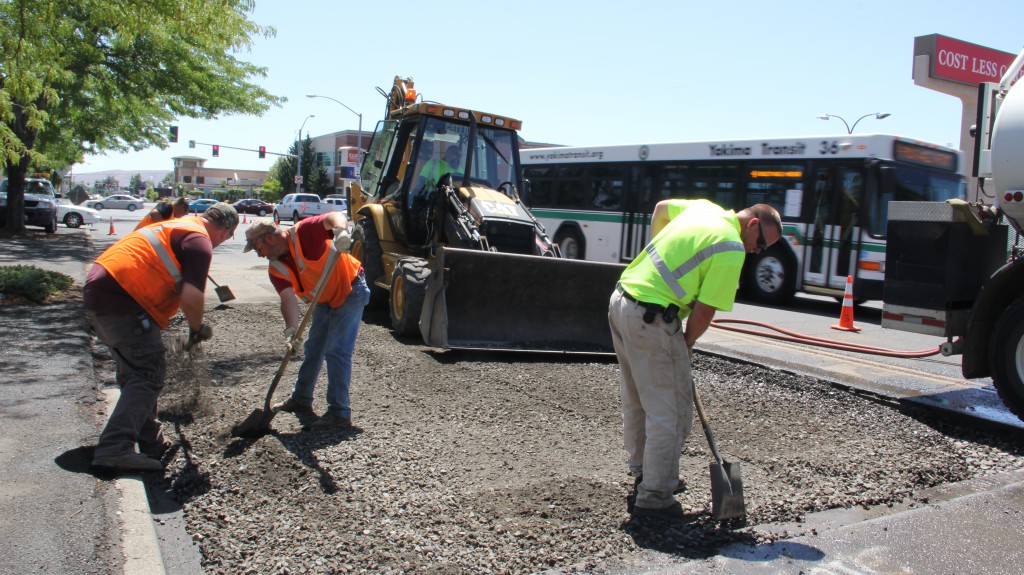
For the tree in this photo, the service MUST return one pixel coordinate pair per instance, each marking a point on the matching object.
(135, 184)
(314, 178)
(84, 78)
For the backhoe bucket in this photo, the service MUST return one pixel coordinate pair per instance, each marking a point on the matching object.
(490, 300)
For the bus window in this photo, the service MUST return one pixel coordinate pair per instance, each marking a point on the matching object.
(608, 183)
(673, 182)
(716, 183)
(768, 184)
(542, 185)
(572, 192)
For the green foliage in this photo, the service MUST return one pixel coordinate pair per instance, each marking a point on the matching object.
(98, 76)
(32, 283)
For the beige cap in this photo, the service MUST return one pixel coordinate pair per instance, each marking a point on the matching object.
(258, 230)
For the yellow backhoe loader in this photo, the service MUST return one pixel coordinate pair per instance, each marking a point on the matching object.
(449, 246)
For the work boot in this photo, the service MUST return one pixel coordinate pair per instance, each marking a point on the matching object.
(680, 487)
(155, 450)
(329, 420)
(127, 462)
(292, 406)
(672, 512)
(631, 499)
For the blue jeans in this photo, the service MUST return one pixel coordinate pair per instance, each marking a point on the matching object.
(332, 336)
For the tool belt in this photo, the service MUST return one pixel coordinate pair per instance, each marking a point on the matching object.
(652, 310)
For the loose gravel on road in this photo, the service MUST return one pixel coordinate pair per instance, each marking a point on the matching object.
(469, 462)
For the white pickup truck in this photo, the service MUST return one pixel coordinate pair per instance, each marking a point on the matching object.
(295, 207)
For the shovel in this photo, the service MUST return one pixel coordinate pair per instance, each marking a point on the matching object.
(726, 483)
(258, 422)
(223, 292)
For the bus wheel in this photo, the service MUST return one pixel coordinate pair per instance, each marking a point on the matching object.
(771, 278)
(570, 244)
(1006, 357)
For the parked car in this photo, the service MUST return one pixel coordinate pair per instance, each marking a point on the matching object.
(253, 206)
(115, 202)
(40, 204)
(74, 216)
(199, 206)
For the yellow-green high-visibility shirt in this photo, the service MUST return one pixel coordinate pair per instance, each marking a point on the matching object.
(697, 256)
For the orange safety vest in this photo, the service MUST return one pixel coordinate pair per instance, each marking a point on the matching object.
(339, 284)
(146, 221)
(144, 264)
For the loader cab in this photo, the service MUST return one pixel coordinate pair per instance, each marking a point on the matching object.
(410, 155)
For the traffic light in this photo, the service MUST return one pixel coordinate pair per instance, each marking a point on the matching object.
(174, 134)
(263, 151)
(216, 150)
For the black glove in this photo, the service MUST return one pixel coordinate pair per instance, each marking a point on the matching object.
(204, 333)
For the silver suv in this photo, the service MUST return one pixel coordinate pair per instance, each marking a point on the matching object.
(40, 204)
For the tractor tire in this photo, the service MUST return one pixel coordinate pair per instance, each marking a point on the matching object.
(372, 258)
(1006, 357)
(408, 289)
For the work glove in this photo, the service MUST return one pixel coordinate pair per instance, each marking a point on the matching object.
(294, 345)
(342, 241)
(184, 343)
(202, 334)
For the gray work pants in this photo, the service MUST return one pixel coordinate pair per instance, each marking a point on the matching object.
(656, 387)
(141, 368)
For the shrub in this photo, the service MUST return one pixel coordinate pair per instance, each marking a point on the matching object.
(32, 283)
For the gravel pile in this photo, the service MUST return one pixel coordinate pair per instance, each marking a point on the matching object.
(465, 462)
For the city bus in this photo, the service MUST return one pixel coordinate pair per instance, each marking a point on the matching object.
(832, 192)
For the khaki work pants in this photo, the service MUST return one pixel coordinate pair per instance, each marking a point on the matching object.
(657, 397)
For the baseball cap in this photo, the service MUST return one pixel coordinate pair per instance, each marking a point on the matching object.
(223, 214)
(258, 230)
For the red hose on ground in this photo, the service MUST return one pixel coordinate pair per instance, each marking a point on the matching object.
(818, 341)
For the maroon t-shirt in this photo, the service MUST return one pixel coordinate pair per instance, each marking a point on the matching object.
(102, 293)
(311, 240)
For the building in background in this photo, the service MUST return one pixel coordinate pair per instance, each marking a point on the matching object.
(338, 154)
(191, 172)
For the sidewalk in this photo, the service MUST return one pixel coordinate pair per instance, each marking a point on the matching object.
(58, 516)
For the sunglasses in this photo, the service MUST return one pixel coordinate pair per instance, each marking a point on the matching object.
(761, 244)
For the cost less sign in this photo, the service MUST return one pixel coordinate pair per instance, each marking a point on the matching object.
(960, 61)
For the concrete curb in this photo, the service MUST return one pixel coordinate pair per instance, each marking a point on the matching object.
(140, 546)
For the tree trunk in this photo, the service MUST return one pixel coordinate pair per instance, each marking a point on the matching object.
(15, 223)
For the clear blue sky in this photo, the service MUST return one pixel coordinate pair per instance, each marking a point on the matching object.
(597, 72)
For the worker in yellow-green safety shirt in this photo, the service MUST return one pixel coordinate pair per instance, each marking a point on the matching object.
(434, 168)
(689, 270)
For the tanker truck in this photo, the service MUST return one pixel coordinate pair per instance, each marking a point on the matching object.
(955, 269)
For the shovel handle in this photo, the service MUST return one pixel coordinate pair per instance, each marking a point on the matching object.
(706, 425)
(211, 280)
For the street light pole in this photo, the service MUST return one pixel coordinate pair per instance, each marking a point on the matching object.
(298, 150)
(359, 138)
(850, 129)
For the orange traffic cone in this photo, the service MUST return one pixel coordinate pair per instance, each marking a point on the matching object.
(243, 217)
(846, 317)
(111, 232)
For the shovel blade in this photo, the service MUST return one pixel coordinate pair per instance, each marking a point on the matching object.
(727, 491)
(256, 425)
(224, 294)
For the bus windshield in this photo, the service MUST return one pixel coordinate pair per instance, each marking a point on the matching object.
(908, 184)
